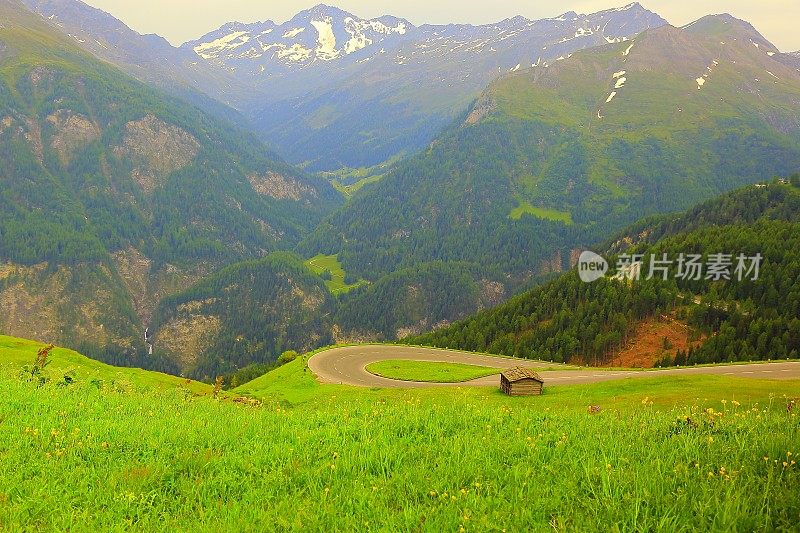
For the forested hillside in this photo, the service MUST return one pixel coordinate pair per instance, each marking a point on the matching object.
(247, 313)
(115, 195)
(415, 300)
(558, 157)
(742, 320)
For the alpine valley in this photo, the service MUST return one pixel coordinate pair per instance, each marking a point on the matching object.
(284, 186)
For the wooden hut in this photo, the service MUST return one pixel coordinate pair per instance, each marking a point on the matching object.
(521, 382)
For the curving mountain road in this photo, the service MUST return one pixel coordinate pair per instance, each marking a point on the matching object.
(347, 366)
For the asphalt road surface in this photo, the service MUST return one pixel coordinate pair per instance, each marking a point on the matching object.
(347, 366)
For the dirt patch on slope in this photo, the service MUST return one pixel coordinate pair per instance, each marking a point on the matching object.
(5, 123)
(73, 304)
(33, 135)
(481, 110)
(654, 338)
(28, 312)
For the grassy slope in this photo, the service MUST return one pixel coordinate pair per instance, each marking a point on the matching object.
(429, 372)
(336, 284)
(15, 353)
(525, 208)
(431, 460)
(349, 190)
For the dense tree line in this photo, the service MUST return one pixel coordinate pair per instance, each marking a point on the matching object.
(743, 320)
(416, 297)
(561, 320)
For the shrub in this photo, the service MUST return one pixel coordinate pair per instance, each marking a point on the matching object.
(287, 357)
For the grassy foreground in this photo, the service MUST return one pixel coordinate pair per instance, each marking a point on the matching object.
(15, 353)
(429, 372)
(316, 458)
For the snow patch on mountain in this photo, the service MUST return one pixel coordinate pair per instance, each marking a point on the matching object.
(320, 34)
(294, 53)
(293, 33)
(229, 42)
(326, 49)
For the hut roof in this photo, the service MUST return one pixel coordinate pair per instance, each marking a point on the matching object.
(519, 373)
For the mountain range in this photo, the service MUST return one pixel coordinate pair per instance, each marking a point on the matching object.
(369, 90)
(555, 157)
(329, 89)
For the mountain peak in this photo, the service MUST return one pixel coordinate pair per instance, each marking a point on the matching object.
(569, 15)
(726, 25)
(322, 10)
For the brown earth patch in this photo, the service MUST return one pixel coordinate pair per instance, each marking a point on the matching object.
(353, 337)
(33, 134)
(40, 74)
(28, 312)
(647, 345)
(6, 123)
(555, 264)
(481, 110)
(493, 293)
(64, 304)
(309, 300)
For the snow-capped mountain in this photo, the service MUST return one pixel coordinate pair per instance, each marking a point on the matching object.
(334, 89)
(792, 59)
(322, 34)
(331, 80)
(327, 36)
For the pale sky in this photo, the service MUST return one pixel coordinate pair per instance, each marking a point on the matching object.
(183, 20)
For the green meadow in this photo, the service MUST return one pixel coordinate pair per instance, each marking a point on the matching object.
(663, 454)
(429, 372)
(15, 353)
(330, 263)
(526, 208)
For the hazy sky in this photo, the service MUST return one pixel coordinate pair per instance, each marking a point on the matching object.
(183, 20)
